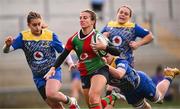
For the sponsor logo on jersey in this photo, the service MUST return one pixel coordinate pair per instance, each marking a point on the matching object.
(117, 40)
(38, 55)
(83, 56)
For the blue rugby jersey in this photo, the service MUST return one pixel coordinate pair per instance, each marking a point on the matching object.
(121, 35)
(129, 81)
(135, 85)
(40, 51)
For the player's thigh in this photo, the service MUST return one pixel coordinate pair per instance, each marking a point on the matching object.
(147, 86)
(99, 80)
(53, 85)
(98, 83)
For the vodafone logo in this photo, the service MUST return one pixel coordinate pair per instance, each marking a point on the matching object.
(83, 56)
(117, 40)
(38, 55)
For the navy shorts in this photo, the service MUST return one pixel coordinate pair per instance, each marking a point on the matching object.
(40, 82)
(146, 89)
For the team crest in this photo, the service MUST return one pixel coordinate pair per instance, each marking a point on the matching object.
(38, 55)
(117, 40)
(83, 56)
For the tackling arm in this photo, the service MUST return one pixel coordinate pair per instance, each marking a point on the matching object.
(117, 73)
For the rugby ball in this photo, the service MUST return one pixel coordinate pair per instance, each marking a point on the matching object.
(104, 40)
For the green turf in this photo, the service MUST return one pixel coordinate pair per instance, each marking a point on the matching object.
(33, 100)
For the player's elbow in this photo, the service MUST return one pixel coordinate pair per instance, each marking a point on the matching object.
(150, 37)
(119, 75)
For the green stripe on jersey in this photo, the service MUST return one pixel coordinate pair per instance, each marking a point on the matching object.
(93, 64)
(78, 45)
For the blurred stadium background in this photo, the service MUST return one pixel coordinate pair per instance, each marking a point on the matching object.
(162, 17)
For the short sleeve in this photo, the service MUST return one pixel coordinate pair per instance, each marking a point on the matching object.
(57, 44)
(140, 32)
(104, 29)
(121, 63)
(17, 42)
(69, 44)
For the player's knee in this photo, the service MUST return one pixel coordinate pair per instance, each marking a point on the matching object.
(94, 97)
(50, 94)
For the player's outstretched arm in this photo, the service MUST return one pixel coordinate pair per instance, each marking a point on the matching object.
(57, 63)
(117, 73)
(8, 42)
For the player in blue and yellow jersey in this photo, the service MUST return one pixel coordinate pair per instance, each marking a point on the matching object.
(123, 34)
(136, 86)
(40, 46)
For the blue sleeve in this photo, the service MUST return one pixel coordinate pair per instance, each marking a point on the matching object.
(58, 45)
(17, 42)
(104, 29)
(121, 63)
(140, 32)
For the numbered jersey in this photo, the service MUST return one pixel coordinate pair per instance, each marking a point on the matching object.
(39, 51)
(122, 35)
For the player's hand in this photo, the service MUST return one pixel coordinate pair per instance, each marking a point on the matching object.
(104, 59)
(134, 45)
(8, 41)
(72, 67)
(106, 34)
(99, 45)
(50, 73)
(44, 26)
